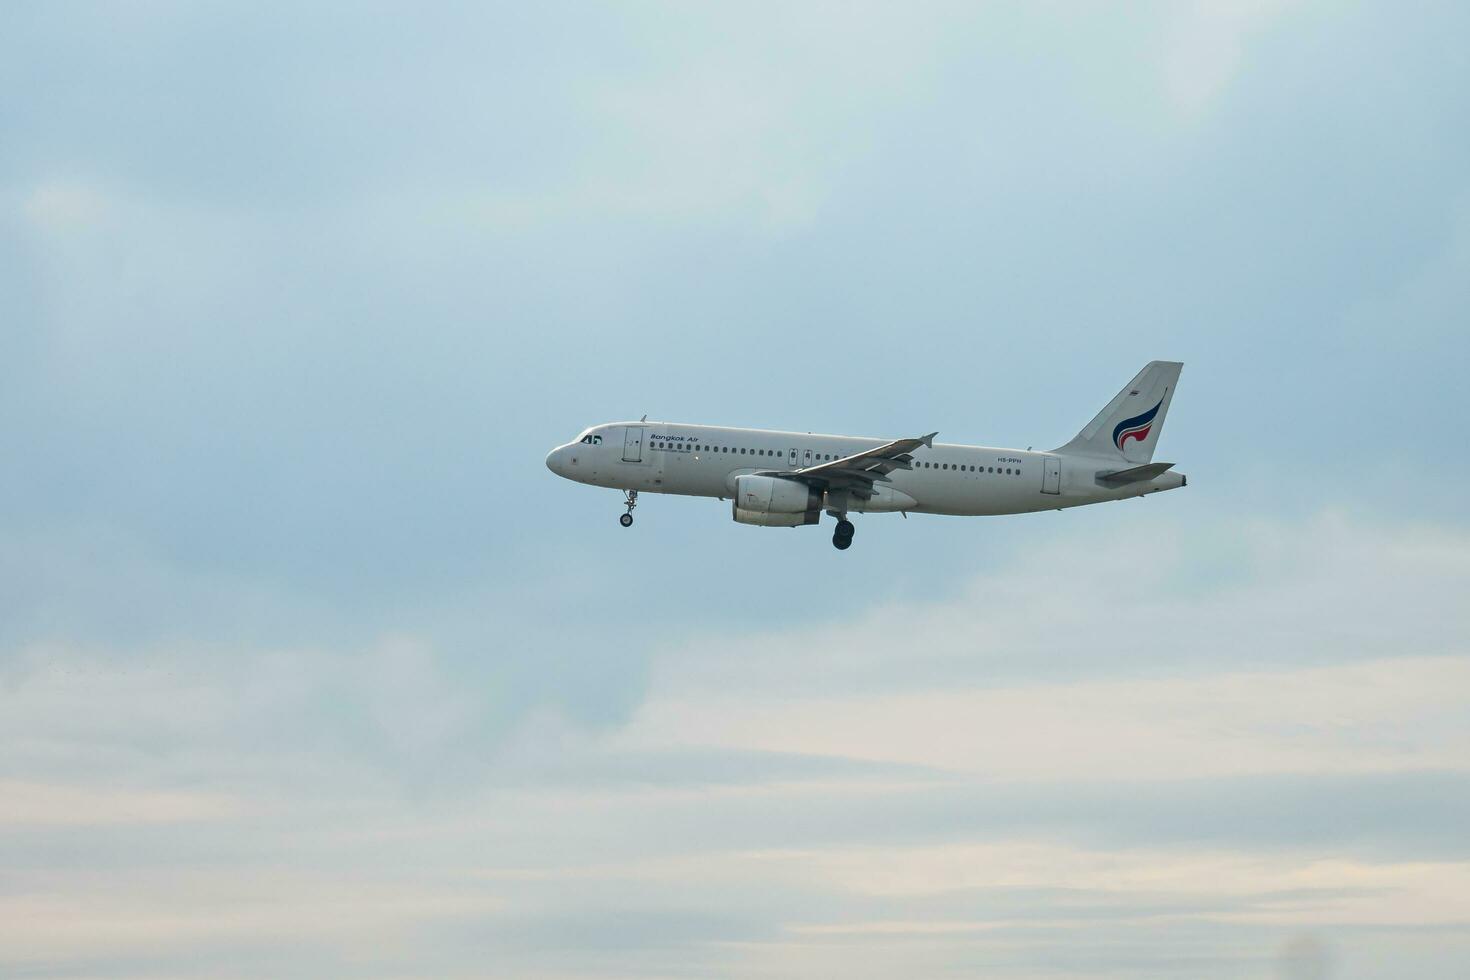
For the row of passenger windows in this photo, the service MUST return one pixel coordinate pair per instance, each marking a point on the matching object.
(828, 457)
(1005, 470)
(824, 457)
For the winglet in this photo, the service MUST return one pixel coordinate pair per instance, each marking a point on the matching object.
(929, 439)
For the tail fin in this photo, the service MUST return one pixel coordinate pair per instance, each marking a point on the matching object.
(1129, 427)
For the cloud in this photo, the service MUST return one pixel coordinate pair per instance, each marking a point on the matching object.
(1142, 599)
(1205, 47)
(247, 803)
(42, 804)
(59, 206)
(1395, 715)
(308, 667)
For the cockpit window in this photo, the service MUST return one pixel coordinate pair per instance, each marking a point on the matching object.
(591, 439)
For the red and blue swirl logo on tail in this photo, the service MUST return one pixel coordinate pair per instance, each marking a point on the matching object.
(1136, 427)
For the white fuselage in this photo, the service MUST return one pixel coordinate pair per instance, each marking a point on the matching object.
(704, 461)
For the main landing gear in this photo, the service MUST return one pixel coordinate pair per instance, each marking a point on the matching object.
(630, 497)
(842, 536)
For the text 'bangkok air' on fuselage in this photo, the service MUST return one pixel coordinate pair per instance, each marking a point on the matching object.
(787, 479)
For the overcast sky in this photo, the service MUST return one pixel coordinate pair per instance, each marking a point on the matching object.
(310, 668)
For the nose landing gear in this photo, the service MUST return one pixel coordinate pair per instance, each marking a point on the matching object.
(630, 497)
(842, 536)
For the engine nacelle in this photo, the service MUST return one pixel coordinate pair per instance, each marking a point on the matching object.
(769, 501)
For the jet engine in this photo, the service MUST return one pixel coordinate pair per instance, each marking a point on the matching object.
(770, 501)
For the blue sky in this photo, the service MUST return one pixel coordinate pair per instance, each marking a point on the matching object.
(310, 668)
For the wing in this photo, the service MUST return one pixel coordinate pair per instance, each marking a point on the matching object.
(857, 473)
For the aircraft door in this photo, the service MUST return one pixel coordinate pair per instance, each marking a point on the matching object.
(633, 444)
(793, 458)
(1051, 480)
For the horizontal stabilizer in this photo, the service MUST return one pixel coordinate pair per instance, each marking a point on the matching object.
(1138, 474)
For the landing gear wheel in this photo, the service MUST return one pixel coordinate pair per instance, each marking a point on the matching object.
(630, 499)
(626, 520)
(842, 536)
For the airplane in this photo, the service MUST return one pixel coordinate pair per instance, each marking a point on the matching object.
(787, 479)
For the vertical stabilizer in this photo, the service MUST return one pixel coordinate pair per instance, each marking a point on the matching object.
(1129, 427)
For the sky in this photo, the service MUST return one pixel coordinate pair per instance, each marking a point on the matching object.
(310, 668)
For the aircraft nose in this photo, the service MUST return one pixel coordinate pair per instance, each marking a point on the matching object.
(553, 461)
